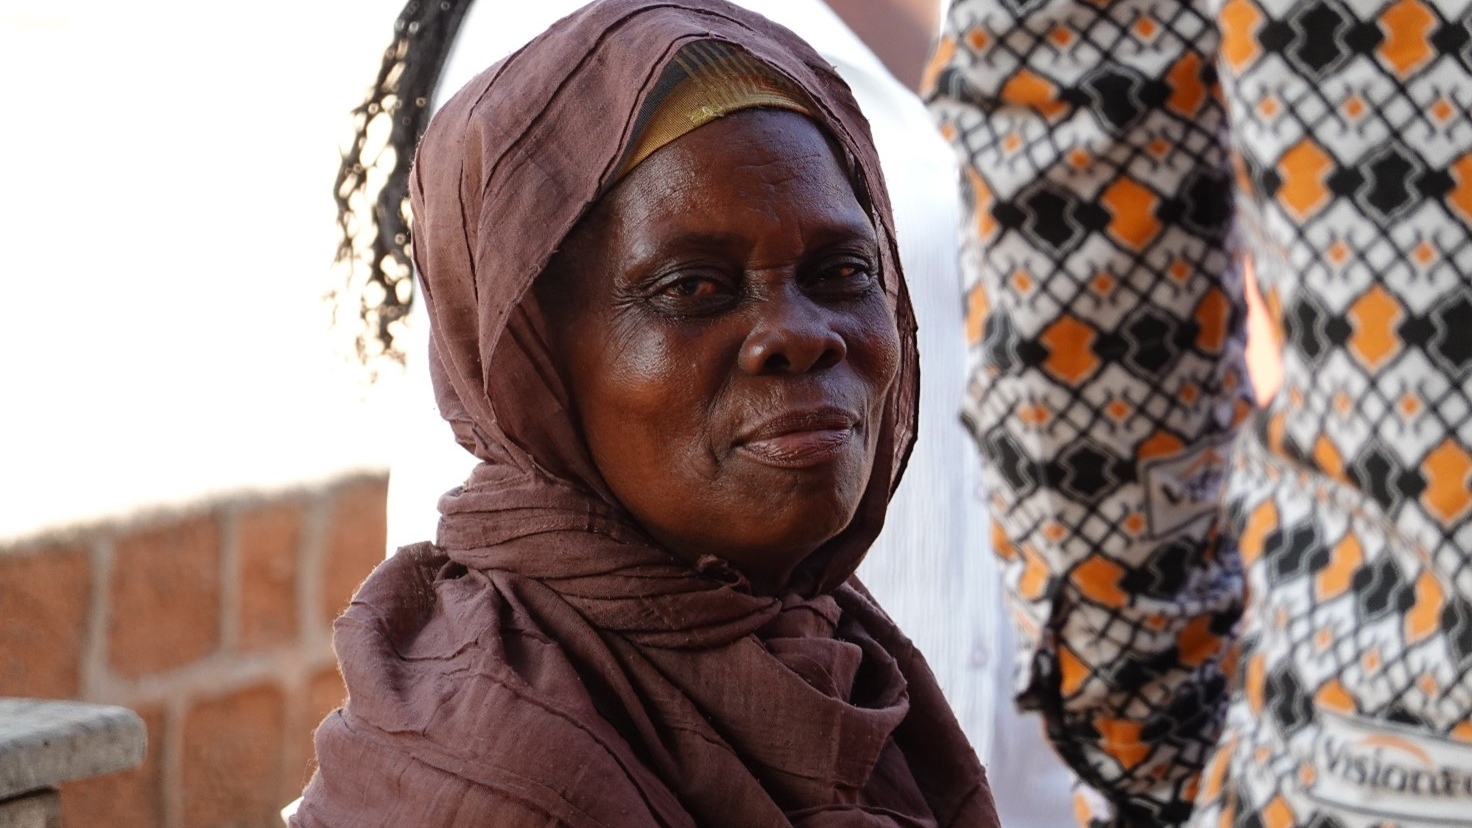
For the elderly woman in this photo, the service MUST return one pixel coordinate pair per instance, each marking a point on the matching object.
(668, 319)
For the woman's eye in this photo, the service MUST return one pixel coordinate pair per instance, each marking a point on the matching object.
(846, 278)
(691, 294)
(692, 287)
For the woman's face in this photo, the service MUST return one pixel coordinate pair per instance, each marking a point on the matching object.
(720, 320)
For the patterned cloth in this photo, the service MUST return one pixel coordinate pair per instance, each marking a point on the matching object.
(1119, 157)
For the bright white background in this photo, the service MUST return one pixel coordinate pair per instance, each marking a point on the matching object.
(167, 228)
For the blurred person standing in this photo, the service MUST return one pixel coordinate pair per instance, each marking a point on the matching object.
(1121, 160)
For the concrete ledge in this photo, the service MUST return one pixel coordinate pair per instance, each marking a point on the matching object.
(46, 743)
(37, 810)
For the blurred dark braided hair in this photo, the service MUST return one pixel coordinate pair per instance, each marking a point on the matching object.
(372, 189)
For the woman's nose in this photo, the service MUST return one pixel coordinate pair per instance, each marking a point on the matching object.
(792, 334)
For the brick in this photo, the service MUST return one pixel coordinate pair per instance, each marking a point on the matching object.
(130, 799)
(45, 603)
(325, 692)
(165, 596)
(269, 542)
(233, 760)
(357, 535)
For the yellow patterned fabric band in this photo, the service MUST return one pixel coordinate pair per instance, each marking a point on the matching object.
(706, 81)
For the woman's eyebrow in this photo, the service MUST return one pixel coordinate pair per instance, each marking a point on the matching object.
(818, 235)
(655, 250)
(704, 238)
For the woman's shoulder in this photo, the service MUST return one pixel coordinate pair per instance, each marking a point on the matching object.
(431, 647)
(455, 681)
(367, 778)
(362, 789)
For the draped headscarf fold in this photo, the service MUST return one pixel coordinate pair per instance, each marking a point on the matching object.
(545, 662)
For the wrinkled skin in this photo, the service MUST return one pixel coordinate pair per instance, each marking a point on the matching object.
(720, 322)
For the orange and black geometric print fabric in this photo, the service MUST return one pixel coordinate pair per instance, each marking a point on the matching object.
(1122, 160)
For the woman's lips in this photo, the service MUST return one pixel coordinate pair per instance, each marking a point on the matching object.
(800, 439)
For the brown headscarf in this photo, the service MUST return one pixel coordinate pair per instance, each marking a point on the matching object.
(546, 664)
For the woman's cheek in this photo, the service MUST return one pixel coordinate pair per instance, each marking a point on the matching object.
(881, 347)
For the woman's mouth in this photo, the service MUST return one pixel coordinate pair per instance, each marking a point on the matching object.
(801, 439)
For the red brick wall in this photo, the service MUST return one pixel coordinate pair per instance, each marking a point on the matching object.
(214, 624)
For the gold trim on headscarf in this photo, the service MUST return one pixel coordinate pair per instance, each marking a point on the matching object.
(709, 80)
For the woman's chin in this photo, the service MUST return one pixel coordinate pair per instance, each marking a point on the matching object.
(768, 557)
